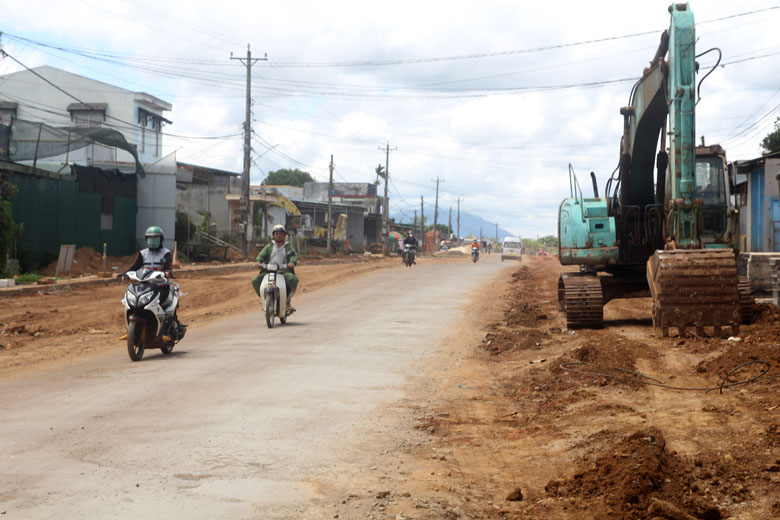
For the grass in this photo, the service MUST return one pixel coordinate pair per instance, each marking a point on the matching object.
(29, 278)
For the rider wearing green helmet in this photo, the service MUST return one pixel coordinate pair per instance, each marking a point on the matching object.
(279, 252)
(155, 256)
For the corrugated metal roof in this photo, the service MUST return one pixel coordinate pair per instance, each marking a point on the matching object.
(87, 106)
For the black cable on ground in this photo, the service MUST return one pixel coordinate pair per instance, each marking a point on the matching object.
(647, 380)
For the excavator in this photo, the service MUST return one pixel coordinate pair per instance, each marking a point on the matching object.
(668, 232)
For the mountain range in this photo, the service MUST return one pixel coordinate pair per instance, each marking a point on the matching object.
(470, 224)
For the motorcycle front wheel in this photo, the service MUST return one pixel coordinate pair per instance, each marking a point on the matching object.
(167, 348)
(135, 345)
(270, 309)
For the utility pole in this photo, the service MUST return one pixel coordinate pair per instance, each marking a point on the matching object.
(385, 209)
(458, 237)
(496, 234)
(422, 220)
(449, 224)
(330, 203)
(436, 214)
(244, 202)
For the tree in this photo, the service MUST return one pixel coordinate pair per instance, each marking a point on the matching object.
(7, 225)
(380, 172)
(285, 177)
(771, 143)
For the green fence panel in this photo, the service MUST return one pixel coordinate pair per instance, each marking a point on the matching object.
(53, 212)
(88, 221)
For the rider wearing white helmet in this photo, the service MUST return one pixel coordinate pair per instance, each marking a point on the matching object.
(279, 252)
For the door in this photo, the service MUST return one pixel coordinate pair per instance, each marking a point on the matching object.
(774, 222)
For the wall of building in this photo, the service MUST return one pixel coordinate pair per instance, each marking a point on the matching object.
(157, 200)
(31, 92)
(202, 198)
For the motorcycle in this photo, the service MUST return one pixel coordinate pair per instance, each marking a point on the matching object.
(273, 289)
(408, 254)
(474, 254)
(150, 322)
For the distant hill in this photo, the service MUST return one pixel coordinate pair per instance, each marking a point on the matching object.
(470, 224)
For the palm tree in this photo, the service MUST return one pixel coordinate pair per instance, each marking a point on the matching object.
(380, 172)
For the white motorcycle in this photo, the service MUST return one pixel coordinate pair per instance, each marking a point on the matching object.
(474, 254)
(150, 322)
(273, 290)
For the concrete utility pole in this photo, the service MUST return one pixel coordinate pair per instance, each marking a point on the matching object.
(436, 214)
(458, 237)
(449, 223)
(244, 202)
(330, 203)
(385, 209)
(496, 234)
(422, 220)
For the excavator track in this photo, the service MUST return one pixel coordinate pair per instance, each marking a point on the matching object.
(580, 300)
(694, 288)
(746, 301)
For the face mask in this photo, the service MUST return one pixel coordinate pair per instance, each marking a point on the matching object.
(153, 242)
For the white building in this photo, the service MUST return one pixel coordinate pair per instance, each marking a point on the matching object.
(32, 96)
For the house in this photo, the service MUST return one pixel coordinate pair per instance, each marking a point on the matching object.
(202, 191)
(60, 98)
(364, 223)
(757, 194)
(758, 201)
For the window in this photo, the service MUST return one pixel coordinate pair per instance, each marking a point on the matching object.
(87, 115)
(711, 188)
(150, 123)
(7, 112)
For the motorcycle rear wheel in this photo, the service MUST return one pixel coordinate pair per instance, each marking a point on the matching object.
(270, 310)
(135, 345)
(167, 348)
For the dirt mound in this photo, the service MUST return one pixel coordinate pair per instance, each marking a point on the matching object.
(87, 262)
(636, 478)
(766, 314)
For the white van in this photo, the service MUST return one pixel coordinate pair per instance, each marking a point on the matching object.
(512, 248)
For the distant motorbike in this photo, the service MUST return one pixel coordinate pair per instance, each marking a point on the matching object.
(150, 322)
(274, 292)
(474, 254)
(408, 254)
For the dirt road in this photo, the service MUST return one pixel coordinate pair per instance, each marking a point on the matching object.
(241, 421)
(448, 390)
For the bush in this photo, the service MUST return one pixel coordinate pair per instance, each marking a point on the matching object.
(29, 278)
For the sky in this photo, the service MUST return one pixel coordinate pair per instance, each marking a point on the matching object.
(494, 98)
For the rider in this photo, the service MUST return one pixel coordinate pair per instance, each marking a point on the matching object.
(411, 241)
(155, 257)
(279, 252)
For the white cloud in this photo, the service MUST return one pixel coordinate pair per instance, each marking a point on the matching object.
(507, 155)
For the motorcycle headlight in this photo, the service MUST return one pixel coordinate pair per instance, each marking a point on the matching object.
(145, 298)
(132, 300)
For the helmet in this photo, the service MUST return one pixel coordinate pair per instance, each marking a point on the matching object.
(279, 227)
(154, 237)
(410, 234)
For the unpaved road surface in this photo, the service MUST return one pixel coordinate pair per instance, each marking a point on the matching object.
(448, 390)
(240, 421)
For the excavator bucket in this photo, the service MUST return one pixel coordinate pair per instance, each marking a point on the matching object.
(694, 288)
